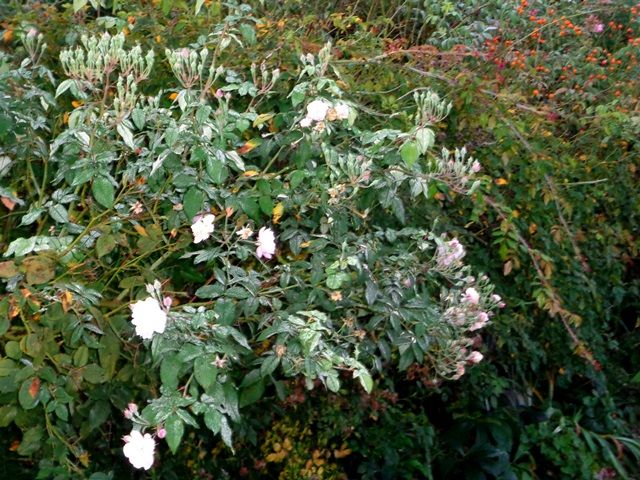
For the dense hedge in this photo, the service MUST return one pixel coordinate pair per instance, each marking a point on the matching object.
(350, 347)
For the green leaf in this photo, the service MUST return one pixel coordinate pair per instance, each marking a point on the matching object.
(7, 414)
(94, 373)
(296, 178)
(105, 245)
(81, 356)
(269, 365)
(31, 441)
(28, 396)
(266, 205)
(365, 379)
(205, 371)
(193, 201)
(226, 432)
(252, 393)
(213, 420)
(138, 118)
(59, 213)
(175, 429)
(169, 370)
(217, 170)
(409, 153)
(109, 353)
(251, 208)
(103, 191)
(226, 311)
(126, 135)
(425, 139)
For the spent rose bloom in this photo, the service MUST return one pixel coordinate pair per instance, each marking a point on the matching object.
(342, 111)
(317, 110)
(148, 317)
(483, 319)
(471, 296)
(139, 449)
(202, 228)
(450, 252)
(245, 232)
(266, 245)
(475, 357)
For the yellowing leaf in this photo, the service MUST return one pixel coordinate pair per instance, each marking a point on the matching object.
(249, 145)
(7, 36)
(173, 96)
(77, 103)
(278, 210)
(502, 181)
(141, 230)
(250, 173)
(263, 118)
(7, 202)
(66, 298)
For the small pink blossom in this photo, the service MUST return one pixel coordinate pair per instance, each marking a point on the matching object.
(219, 93)
(471, 296)
(167, 302)
(161, 432)
(459, 371)
(130, 411)
(475, 357)
(483, 318)
(475, 166)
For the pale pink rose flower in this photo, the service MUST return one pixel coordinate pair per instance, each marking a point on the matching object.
(266, 244)
(471, 296)
(475, 357)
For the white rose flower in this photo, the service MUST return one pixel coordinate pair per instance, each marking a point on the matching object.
(342, 111)
(266, 243)
(148, 317)
(139, 449)
(317, 110)
(305, 122)
(202, 228)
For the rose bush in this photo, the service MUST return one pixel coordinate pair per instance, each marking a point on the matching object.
(166, 189)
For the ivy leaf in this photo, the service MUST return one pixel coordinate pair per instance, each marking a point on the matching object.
(103, 192)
